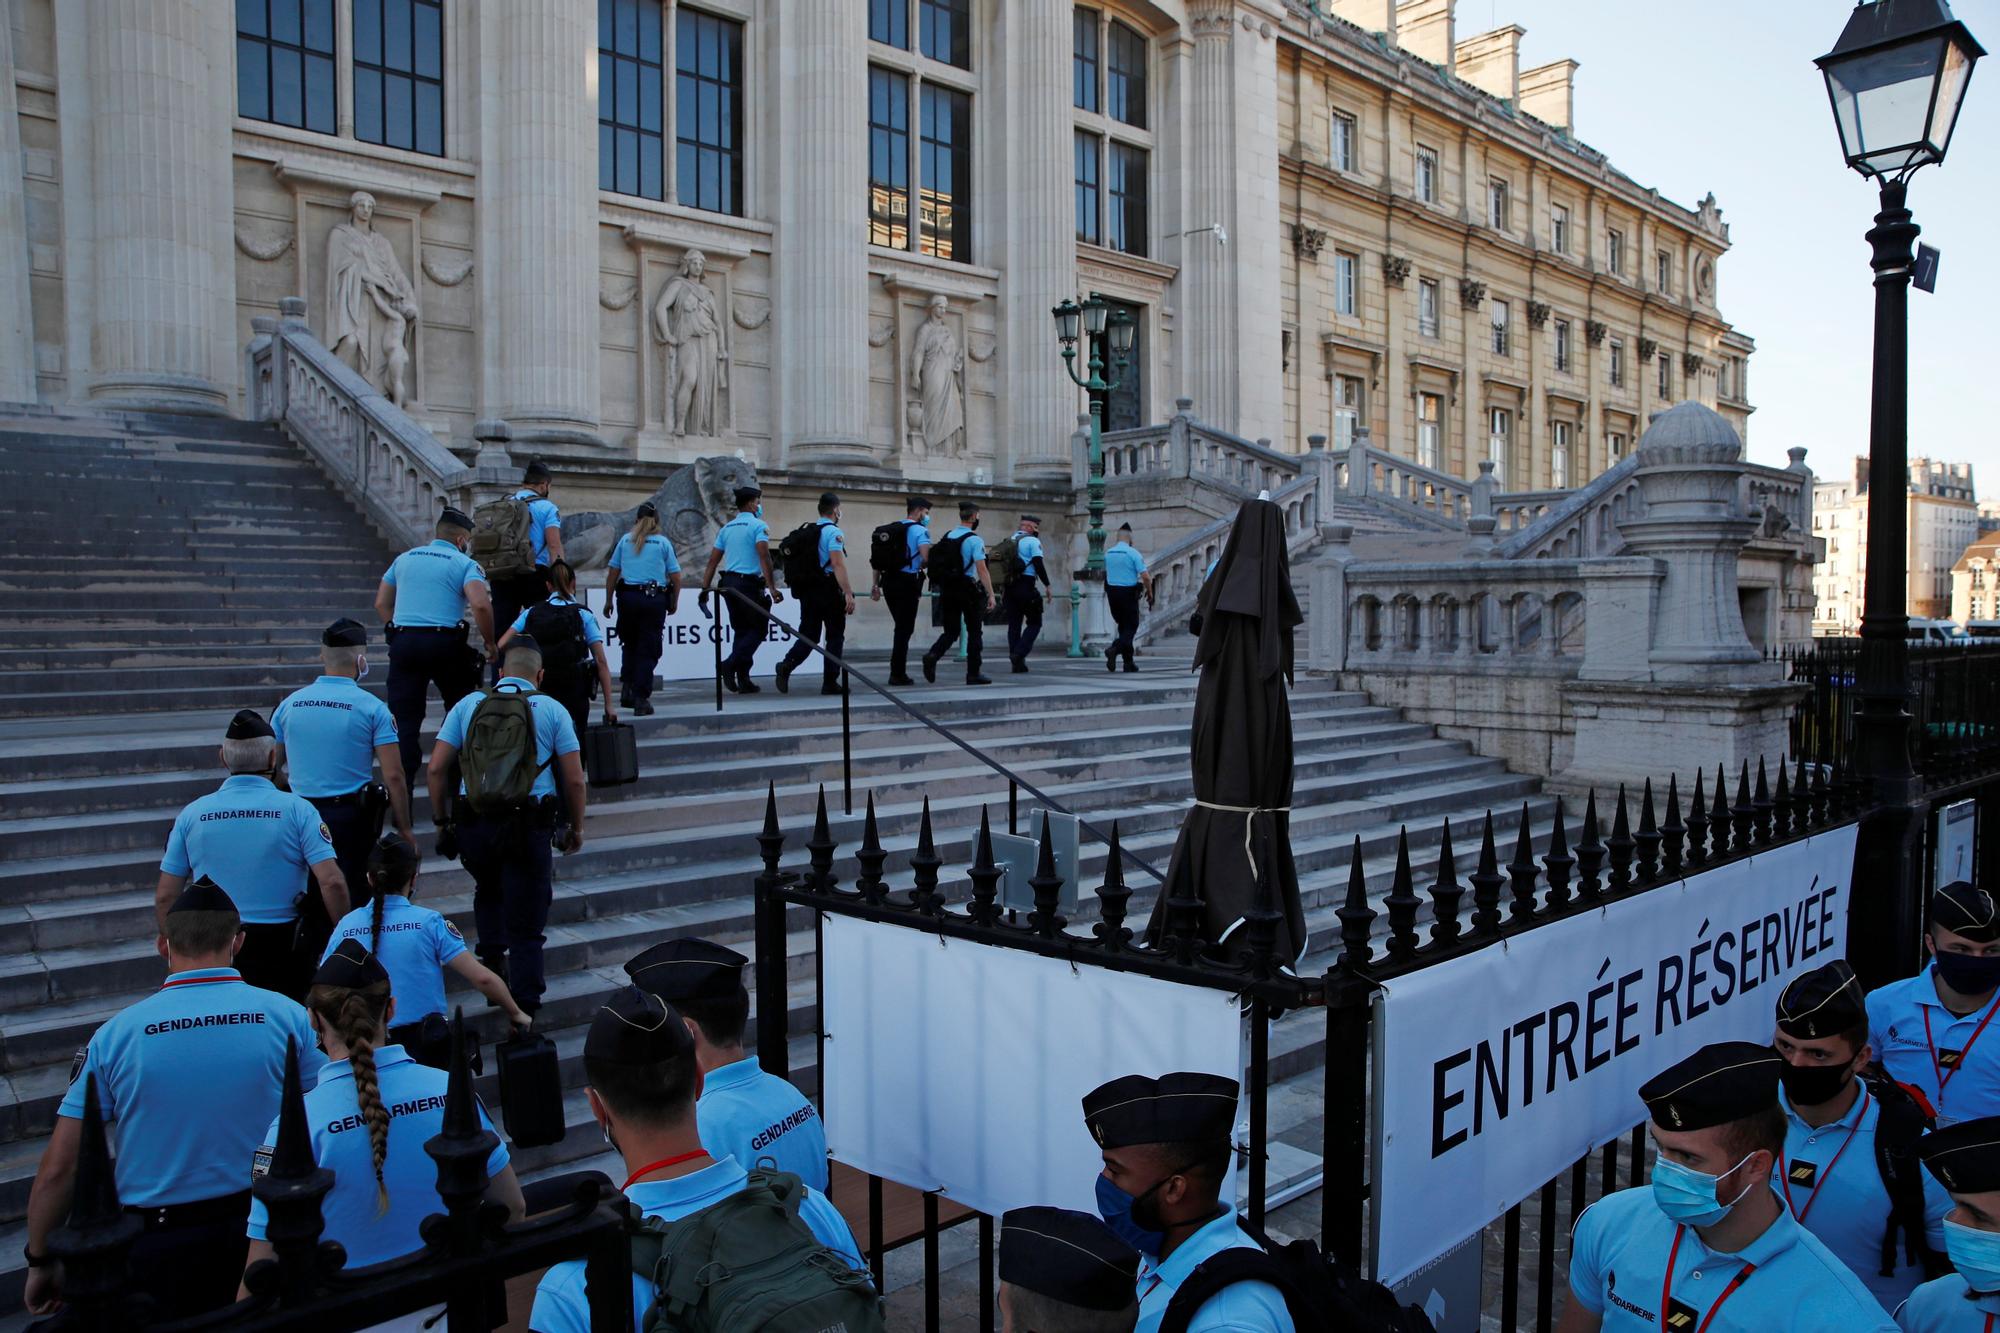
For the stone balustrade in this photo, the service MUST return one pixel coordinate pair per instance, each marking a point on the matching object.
(1179, 570)
(1187, 448)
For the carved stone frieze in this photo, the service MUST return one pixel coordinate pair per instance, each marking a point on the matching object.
(1396, 269)
(446, 275)
(262, 251)
(1691, 363)
(1648, 349)
(1595, 331)
(1307, 242)
(619, 302)
(1471, 293)
(750, 312)
(1538, 313)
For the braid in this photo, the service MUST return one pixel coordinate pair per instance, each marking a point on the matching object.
(357, 1024)
(375, 924)
(392, 866)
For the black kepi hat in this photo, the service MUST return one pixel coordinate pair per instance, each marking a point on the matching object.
(636, 1027)
(748, 495)
(1964, 910)
(1824, 1002)
(204, 895)
(1964, 1157)
(1718, 1084)
(686, 969)
(248, 724)
(1173, 1108)
(1067, 1256)
(649, 510)
(344, 633)
(350, 967)
(537, 471)
(456, 517)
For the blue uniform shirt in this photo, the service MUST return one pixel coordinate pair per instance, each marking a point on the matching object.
(191, 1074)
(1948, 1306)
(974, 548)
(330, 730)
(737, 540)
(255, 841)
(648, 562)
(415, 945)
(560, 1306)
(1829, 1177)
(1246, 1307)
(1618, 1268)
(916, 536)
(555, 734)
(542, 515)
(430, 583)
(830, 540)
(1027, 549)
(1123, 565)
(414, 1094)
(593, 633)
(748, 1114)
(1961, 1083)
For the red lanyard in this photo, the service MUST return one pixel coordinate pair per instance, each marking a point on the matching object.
(661, 1165)
(1943, 1076)
(1784, 1177)
(1667, 1287)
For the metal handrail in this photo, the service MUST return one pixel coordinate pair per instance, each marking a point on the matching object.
(847, 743)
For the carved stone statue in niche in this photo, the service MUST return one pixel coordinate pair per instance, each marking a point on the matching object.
(688, 320)
(937, 364)
(371, 305)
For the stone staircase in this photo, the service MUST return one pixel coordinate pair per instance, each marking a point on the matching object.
(162, 573)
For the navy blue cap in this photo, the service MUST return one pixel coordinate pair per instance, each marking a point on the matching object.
(1173, 1108)
(1069, 1257)
(637, 1027)
(688, 969)
(203, 895)
(248, 724)
(351, 967)
(344, 633)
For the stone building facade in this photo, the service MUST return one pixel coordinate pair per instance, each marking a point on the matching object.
(827, 236)
(1975, 583)
(1943, 521)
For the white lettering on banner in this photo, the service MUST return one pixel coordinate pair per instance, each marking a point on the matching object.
(1501, 1068)
(687, 640)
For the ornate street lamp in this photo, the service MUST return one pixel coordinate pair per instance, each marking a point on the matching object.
(1896, 79)
(1107, 335)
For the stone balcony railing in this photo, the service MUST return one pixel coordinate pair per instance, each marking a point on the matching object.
(1187, 448)
(1180, 570)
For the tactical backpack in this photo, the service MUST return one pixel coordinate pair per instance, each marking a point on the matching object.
(749, 1264)
(498, 757)
(1322, 1296)
(948, 565)
(889, 547)
(798, 558)
(1899, 1124)
(559, 630)
(1004, 560)
(503, 540)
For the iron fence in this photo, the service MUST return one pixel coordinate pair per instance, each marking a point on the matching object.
(1954, 702)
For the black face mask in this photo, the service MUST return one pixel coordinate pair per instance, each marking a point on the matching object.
(1813, 1085)
(1968, 975)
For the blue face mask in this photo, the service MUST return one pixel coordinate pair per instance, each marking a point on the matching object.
(760, 511)
(1975, 1254)
(1687, 1196)
(1115, 1207)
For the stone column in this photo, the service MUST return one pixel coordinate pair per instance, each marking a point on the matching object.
(538, 245)
(1231, 338)
(17, 324)
(160, 89)
(1035, 235)
(821, 246)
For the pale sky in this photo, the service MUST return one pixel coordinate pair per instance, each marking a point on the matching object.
(1722, 95)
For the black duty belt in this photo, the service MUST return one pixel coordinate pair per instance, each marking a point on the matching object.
(357, 797)
(199, 1212)
(429, 629)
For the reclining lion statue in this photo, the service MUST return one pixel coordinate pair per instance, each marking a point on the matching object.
(694, 501)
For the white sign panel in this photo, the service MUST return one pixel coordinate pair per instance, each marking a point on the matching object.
(1956, 823)
(1498, 1070)
(961, 1067)
(687, 643)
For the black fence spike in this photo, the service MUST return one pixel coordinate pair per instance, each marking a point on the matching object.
(95, 1240)
(1743, 815)
(1647, 839)
(870, 856)
(1697, 824)
(1590, 853)
(1557, 861)
(985, 875)
(924, 866)
(1523, 872)
(1486, 882)
(820, 848)
(771, 839)
(1112, 896)
(461, 1149)
(1446, 892)
(1718, 817)
(1402, 902)
(1047, 887)
(1673, 833)
(1801, 803)
(1822, 805)
(1357, 917)
(1622, 844)
(292, 1189)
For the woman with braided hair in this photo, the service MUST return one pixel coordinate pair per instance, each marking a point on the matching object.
(370, 1115)
(416, 946)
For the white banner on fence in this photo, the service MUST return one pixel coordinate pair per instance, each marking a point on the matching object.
(687, 643)
(961, 1067)
(1499, 1069)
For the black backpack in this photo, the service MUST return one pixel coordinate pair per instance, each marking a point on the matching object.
(798, 558)
(948, 566)
(559, 630)
(889, 547)
(1901, 1123)
(1321, 1295)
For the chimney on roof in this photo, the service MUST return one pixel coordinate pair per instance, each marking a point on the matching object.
(1369, 15)
(1491, 62)
(1424, 28)
(1548, 92)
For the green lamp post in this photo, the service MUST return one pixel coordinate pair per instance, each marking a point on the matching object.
(1107, 335)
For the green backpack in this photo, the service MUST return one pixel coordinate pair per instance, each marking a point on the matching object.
(749, 1264)
(498, 757)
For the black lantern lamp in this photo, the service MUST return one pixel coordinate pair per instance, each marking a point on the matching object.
(1896, 79)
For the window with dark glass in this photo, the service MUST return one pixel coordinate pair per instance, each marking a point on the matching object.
(631, 135)
(1084, 62)
(888, 23)
(708, 112)
(1087, 228)
(284, 62)
(1125, 82)
(888, 159)
(399, 74)
(1128, 217)
(1125, 407)
(945, 167)
(944, 31)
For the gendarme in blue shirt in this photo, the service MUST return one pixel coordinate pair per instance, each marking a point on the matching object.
(542, 515)
(916, 537)
(430, 583)
(414, 1095)
(414, 947)
(1922, 1044)
(191, 1076)
(1947, 1305)
(649, 562)
(1245, 1307)
(974, 548)
(593, 633)
(560, 1306)
(830, 540)
(555, 734)
(1027, 550)
(330, 730)
(1123, 565)
(750, 1115)
(257, 842)
(737, 540)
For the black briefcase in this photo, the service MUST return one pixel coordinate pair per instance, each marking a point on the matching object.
(531, 1096)
(611, 754)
